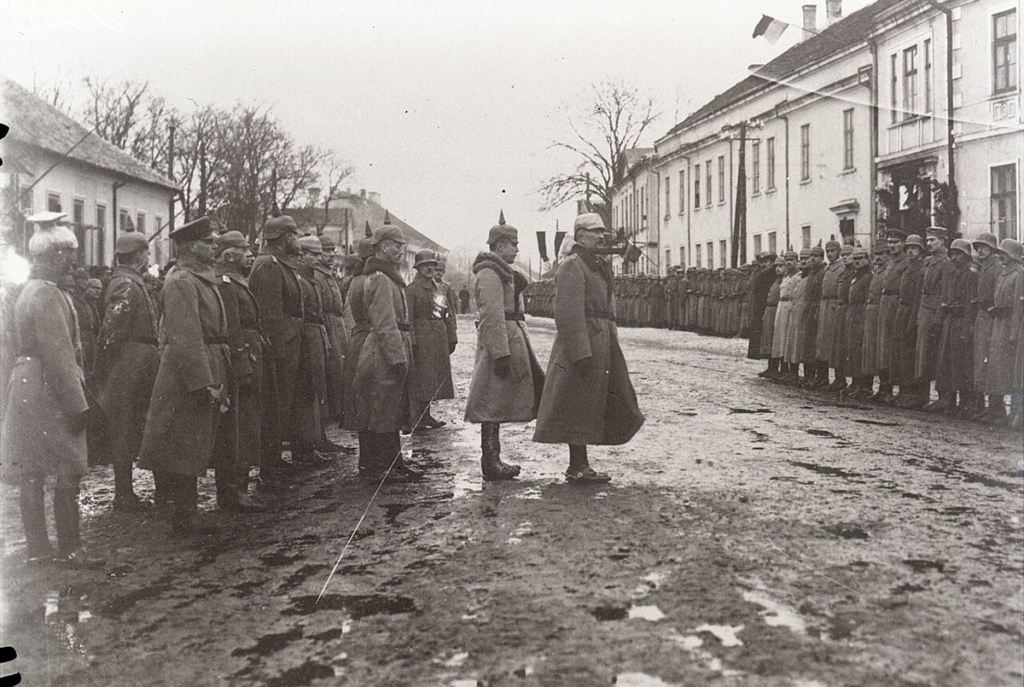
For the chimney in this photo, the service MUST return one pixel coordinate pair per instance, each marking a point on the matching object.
(374, 197)
(834, 11)
(810, 17)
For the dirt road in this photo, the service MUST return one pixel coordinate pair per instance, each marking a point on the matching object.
(753, 535)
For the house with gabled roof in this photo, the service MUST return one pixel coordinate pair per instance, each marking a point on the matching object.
(51, 162)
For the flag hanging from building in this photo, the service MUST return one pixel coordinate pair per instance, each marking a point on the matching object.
(559, 237)
(542, 245)
(770, 27)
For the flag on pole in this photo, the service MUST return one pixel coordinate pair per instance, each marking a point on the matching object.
(770, 27)
(542, 245)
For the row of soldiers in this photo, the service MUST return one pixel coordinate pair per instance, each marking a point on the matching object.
(229, 361)
(913, 312)
(714, 302)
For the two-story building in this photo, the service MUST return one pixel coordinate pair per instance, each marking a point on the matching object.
(51, 162)
(634, 209)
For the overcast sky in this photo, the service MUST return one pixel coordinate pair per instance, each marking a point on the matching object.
(446, 108)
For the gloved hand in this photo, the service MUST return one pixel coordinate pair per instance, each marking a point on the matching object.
(503, 366)
(451, 348)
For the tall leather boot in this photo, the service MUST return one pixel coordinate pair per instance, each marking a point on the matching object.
(840, 381)
(32, 499)
(490, 459)
(184, 518)
(579, 466)
(125, 498)
(393, 467)
(884, 392)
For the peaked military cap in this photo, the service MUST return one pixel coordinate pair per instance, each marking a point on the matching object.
(311, 244)
(328, 244)
(833, 245)
(895, 234)
(388, 232)
(589, 221)
(276, 227)
(194, 230)
(937, 232)
(846, 250)
(129, 242)
(231, 239)
(880, 248)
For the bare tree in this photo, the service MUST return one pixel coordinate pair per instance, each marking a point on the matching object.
(114, 110)
(613, 120)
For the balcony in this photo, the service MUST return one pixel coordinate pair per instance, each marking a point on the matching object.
(911, 133)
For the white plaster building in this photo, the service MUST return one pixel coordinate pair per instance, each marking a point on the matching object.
(634, 209)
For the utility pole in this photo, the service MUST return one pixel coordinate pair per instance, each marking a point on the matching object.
(739, 229)
(950, 144)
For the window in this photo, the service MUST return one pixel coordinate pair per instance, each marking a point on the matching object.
(78, 213)
(721, 253)
(140, 223)
(771, 163)
(892, 87)
(707, 180)
(122, 220)
(1004, 201)
(909, 82)
(94, 250)
(805, 152)
(771, 243)
(757, 244)
(721, 178)
(668, 197)
(711, 254)
(696, 187)
(1004, 52)
(805, 236)
(159, 223)
(928, 75)
(848, 139)
(755, 162)
(682, 192)
(698, 256)
(682, 256)
(53, 202)
(668, 258)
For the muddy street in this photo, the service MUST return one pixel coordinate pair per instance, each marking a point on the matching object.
(753, 534)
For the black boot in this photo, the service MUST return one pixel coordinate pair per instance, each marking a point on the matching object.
(490, 461)
(184, 518)
(33, 519)
(579, 467)
(124, 494)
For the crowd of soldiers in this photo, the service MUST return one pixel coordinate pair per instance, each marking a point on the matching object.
(230, 361)
(714, 302)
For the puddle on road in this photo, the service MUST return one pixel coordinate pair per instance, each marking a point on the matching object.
(466, 484)
(528, 494)
(821, 433)
(639, 680)
(358, 606)
(750, 410)
(881, 423)
(606, 613)
(651, 613)
(824, 469)
(270, 644)
(726, 634)
(302, 675)
(649, 583)
(922, 565)
(776, 613)
(524, 529)
(692, 644)
(453, 661)
(465, 682)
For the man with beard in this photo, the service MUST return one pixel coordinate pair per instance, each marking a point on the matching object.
(46, 410)
(588, 397)
(239, 441)
(431, 372)
(507, 379)
(126, 365)
(190, 392)
(381, 383)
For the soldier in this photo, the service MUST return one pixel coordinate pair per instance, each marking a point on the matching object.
(794, 351)
(190, 392)
(837, 357)
(88, 320)
(276, 287)
(381, 382)
(986, 246)
(955, 372)
(239, 439)
(451, 321)
(430, 377)
(872, 318)
(783, 313)
(357, 321)
(1002, 375)
(334, 321)
(815, 373)
(656, 302)
(126, 365)
(46, 410)
(310, 446)
(588, 397)
(888, 308)
(904, 346)
(757, 297)
(464, 300)
(856, 312)
(768, 321)
(507, 379)
(937, 271)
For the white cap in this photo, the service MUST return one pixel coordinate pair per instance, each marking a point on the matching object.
(46, 217)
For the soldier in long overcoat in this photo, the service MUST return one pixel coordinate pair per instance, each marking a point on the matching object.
(768, 320)
(310, 445)
(45, 414)
(837, 358)
(588, 397)
(955, 373)
(381, 382)
(794, 349)
(904, 346)
(430, 377)
(276, 287)
(241, 432)
(88, 320)
(127, 363)
(986, 245)
(780, 338)
(451, 320)
(888, 308)
(1001, 369)
(856, 311)
(873, 313)
(937, 271)
(357, 322)
(815, 373)
(507, 379)
(190, 391)
(757, 296)
(334, 321)
(827, 310)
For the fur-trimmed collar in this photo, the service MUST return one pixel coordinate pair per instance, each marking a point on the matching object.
(506, 273)
(375, 264)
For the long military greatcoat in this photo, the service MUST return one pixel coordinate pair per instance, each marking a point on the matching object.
(808, 335)
(956, 350)
(872, 321)
(987, 278)
(46, 393)
(757, 300)
(937, 271)
(782, 315)
(837, 358)
(588, 397)
(357, 320)
(1006, 332)
(337, 337)
(431, 375)
(382, 396)
(902, 364)
(126, 365)
(88, 331)
(768, 319)
(183, 417)
(794, 349)
(310, 403)
(501, 333)
(889, 306)
(827, 310)
(856, 310)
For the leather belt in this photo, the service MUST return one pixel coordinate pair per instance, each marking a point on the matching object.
(514, 317)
